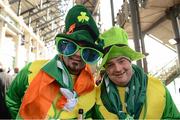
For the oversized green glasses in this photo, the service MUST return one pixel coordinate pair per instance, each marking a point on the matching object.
(67, 47)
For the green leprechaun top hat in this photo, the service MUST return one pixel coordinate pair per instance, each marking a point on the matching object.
(116, 40)
(81, 27)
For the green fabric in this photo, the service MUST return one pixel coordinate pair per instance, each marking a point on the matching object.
(96, 114)
(52, 69)
(134, 97)
(16, 91)
(91, 114)
(15, 94)
(116, 51)
(113, 36)
(84, 27)
(81, 16)
(170, 111)
(20, 84)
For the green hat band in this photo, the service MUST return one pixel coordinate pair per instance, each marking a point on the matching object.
(117, 51)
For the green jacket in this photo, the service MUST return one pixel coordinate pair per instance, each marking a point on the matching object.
(158, 105)
(26, 76)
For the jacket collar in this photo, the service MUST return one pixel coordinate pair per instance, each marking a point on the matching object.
(52, 69)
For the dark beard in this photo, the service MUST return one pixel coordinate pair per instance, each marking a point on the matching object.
(74, 67)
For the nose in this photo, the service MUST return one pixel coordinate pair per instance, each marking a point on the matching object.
(117, 67)
(78, 53)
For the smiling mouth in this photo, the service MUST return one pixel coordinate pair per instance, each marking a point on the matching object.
(120, 74)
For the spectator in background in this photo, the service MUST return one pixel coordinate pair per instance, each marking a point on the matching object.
(4, 113)
(5, 77)
(16, 70)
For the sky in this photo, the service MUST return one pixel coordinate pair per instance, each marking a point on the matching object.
(105, 10)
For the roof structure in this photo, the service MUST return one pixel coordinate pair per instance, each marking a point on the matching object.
(154, 19)
(46, 17)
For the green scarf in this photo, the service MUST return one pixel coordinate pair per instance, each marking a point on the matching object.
(135, 95)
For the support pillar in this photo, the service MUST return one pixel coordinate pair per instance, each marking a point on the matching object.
(112, 12)
(136, 27)
(173, 14)
(37, 51)
(17, 49)
(28, 46)
(19, 8)
(145, 64)
(2, 38)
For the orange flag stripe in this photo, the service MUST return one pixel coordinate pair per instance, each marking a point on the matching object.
(39, 97)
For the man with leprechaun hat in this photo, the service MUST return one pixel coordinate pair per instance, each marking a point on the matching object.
(59, 88)
(126, 92)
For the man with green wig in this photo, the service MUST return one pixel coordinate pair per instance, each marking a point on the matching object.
(126, 91)
(62, 87)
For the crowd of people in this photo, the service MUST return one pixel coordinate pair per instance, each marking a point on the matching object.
(5, 81)
(62, 87)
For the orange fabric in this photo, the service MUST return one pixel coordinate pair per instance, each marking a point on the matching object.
(43, 90)
(71, 28)
(39, 97)
(85, 81)
(61, 102)
(83, 84)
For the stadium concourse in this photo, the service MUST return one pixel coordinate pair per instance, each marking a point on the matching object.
(28, 29)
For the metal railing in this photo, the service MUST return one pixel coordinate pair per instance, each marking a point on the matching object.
(168, 72)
